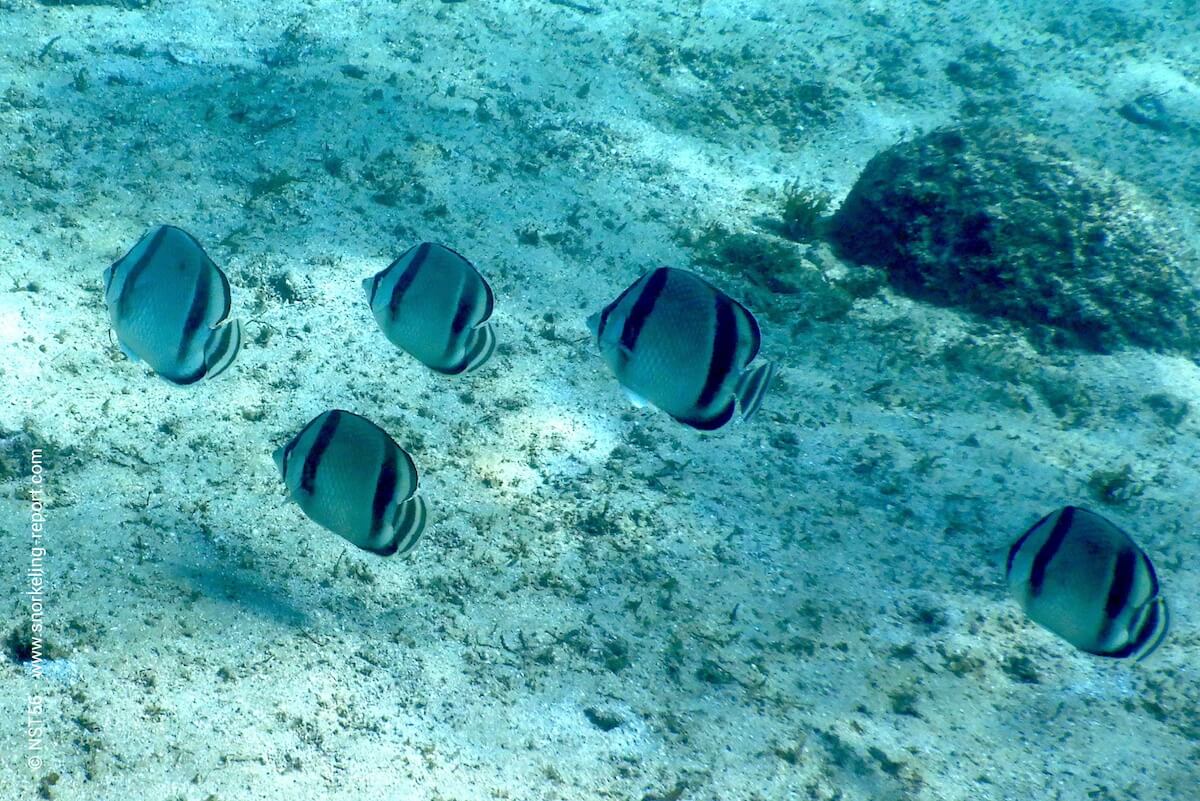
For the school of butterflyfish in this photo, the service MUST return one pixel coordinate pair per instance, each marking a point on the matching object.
(671, 339)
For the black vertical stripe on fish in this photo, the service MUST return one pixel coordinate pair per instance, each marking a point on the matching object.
(385, 490)
(1037, 575)
(386, 549)
(607, 311)
(185, 379)
(642, 307)
(226, 292)
(137, 268)
(489, 298)
(709, 423)
(196, 314)
(1016, 546)
(374, 288)
(724, 350)
(1122, 583)
(755, 334)
(602, 322)
(407, 277)
(462, 314)
(312, 459)
(610, 308)
(1150, 574)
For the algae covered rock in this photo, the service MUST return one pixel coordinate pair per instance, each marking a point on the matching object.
(1006, 225)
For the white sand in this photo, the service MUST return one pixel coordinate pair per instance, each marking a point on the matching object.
(763, 618)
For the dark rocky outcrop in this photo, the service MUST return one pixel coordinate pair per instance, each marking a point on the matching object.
(1006, 225)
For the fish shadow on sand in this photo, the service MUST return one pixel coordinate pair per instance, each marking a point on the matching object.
(244, 590)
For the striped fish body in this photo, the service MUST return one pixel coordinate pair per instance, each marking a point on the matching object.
(349, 476)
(674, 340)
(169, 306)
(1083, 578)
(433, 304)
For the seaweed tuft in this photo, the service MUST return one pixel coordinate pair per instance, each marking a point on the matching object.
(802, 217)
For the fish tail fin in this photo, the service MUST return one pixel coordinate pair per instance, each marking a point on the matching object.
(1156, 627)
(751, 386)
(483, 344)
(411, 517)
(222, 348)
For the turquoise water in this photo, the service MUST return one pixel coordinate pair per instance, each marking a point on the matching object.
(604, 603)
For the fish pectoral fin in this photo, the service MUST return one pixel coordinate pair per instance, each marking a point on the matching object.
(133, 357)
(277, 456)
(752, 386)
(637, 400)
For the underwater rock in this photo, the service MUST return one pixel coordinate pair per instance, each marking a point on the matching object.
(1171, 113)
(603, 719)
(1006, 225)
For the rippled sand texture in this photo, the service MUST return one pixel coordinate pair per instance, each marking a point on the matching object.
(606, 604)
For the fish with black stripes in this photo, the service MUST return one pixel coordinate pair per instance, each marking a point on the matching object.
(677, 342)
(169, 306)
(433, 304)
(348, 475)
(1086, 580)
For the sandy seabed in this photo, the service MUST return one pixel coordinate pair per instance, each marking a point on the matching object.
(606, 604)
